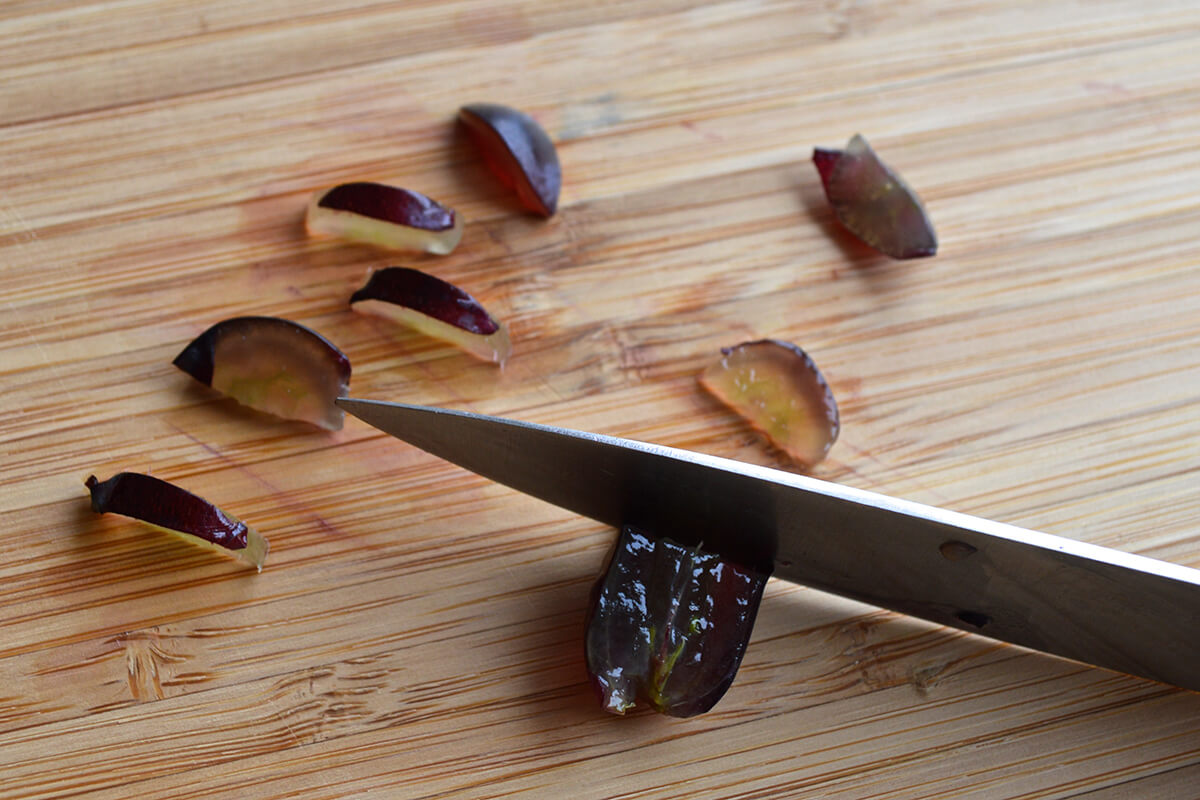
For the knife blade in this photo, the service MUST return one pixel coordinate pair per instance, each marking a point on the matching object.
(1081, 601)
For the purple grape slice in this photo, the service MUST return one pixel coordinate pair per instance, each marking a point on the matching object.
(385, 216)
(668, 625)
(179, 512)
(272, 365)
(518, 151)
(873, 202)
(435, 308)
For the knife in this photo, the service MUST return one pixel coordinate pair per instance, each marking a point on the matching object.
(1089, 603)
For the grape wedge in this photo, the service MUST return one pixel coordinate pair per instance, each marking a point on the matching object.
(778, 389)
(384, 216)
(272, 365)
(873, 202)
(177, 511)
(669, 625)
(518, 152)
(435, 308)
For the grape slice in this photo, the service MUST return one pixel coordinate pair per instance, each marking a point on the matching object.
(518, 151)
(778, 389)
(177, 511)
(435, 308)
(873, 202)
(272, 365)
(385, 216)
(668, 624)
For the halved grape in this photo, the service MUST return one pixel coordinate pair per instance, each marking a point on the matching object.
(273, 365)
(385, 216)
(435, 308)
(874, 202)
(518, 151)
(177, 511)
(669, 624)
(780, 391)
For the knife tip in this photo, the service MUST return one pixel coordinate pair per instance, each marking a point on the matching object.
(354, 406)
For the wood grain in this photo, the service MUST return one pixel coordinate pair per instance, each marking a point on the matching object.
(417, 631)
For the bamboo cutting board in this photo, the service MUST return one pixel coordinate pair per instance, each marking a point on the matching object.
(417, 632)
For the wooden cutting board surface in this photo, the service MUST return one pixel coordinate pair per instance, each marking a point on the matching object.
(417, 632)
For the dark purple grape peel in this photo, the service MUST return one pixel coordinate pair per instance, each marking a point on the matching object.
(825, 160)
(518, 151)
(165, 505)
(873, 202)
(669, 624)
(390, 204)
(197, 358)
